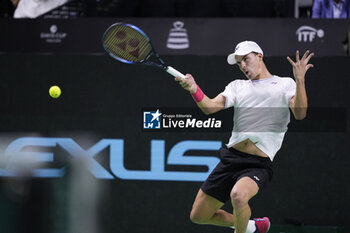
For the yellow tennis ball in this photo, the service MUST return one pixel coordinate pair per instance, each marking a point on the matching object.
(55, 91)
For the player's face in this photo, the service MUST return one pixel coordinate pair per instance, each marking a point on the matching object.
(249, 64)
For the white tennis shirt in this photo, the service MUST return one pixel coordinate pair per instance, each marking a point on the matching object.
(261, 111)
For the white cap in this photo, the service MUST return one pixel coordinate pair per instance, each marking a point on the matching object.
(242, 49)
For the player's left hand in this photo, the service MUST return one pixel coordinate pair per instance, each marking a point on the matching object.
(300, 66)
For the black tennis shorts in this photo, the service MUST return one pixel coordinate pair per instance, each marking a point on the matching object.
(234, 165)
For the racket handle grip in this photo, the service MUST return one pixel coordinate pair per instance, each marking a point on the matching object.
(174, 72)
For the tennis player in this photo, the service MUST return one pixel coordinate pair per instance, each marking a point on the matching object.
(246, 161)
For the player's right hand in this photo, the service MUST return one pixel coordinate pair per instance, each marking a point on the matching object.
(187, 83)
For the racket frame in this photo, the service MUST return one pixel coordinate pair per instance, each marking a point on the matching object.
(145, 61)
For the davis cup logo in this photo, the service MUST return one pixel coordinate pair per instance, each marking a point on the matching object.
(178, 38)
(54, 36)
(53, 28)
(152, 119)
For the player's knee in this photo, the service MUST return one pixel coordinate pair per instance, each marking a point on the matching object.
(239, 198)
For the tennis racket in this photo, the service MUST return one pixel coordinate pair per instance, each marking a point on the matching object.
(129, 44)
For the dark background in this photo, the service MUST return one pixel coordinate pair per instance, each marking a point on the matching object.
(169, 8)
(102, 98)
(207, 36)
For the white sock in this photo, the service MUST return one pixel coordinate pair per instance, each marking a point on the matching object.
(250, 227)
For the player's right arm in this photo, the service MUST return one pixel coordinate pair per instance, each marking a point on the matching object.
(206, 104)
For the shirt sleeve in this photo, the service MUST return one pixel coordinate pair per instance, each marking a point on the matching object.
(230, 94)
(289, 90)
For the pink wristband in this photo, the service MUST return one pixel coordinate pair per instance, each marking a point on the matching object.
(198, 95)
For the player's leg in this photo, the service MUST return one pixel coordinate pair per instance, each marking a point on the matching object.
(206, 210)
(241, 193)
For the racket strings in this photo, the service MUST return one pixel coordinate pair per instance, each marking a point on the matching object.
(127, 43)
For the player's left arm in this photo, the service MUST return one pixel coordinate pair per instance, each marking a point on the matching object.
(298, 102)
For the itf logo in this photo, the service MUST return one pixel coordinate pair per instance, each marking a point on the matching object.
(308, 34)
(151, 120)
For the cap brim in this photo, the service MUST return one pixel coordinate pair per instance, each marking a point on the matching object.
(231, 59)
